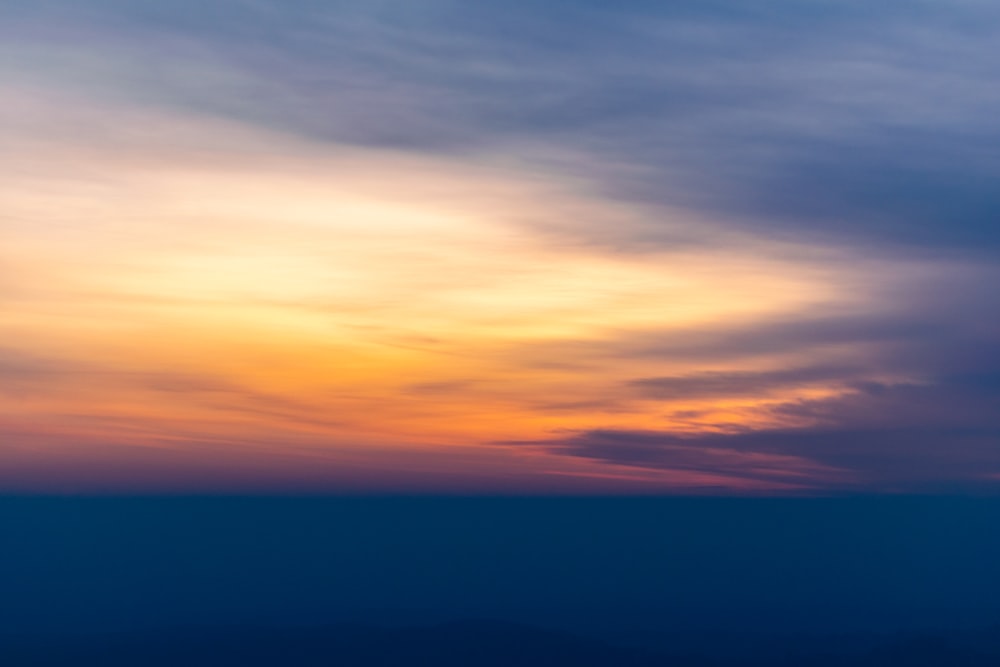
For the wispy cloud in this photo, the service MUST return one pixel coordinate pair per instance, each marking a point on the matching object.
(702, 239)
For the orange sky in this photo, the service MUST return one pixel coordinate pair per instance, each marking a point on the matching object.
(172, 279)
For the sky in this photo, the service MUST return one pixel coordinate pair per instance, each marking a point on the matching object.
(712, 247)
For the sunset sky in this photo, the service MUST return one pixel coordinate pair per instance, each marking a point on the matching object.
(693, 247)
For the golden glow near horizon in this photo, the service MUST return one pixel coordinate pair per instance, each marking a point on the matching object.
(180, 281)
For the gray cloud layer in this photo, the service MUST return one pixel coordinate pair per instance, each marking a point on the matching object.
(833, 120)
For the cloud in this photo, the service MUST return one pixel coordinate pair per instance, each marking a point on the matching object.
(24, 373)
(909, 401)
(935, 437)
(833, 121)
(837, 121)
(736, 383)
(703, 236)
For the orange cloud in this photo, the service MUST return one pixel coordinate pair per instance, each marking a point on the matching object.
(198, 281)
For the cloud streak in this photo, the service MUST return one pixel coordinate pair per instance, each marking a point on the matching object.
(694, 245)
